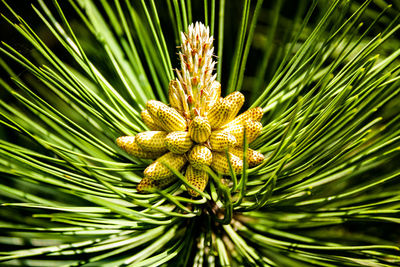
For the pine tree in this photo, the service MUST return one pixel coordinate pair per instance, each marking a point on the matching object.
(77, 75)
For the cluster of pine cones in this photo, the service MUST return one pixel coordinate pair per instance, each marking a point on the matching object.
(198, 127)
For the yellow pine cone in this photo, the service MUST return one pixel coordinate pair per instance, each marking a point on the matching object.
(196, 178)
(152, 141)
(254, 157)
(147, 184)
(253, 130)
(200, 156)
(236, 100)
(149, 121)
(254, 114)
(199, 129)
(178, 142)
(171, 119)
(195, 97)
(152, 107)
(157, 170)
(225, 109)
(221, 140)
(220, 163)
(219, 114)
(215, 112)
(237, 131)
(128, 144)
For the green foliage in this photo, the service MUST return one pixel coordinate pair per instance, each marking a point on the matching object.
(326, 73)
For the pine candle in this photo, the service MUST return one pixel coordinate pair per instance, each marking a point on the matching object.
(198, 126)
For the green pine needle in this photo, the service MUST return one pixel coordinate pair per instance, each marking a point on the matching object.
(326, 74)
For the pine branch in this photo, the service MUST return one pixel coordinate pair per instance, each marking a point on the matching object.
(326, 75)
